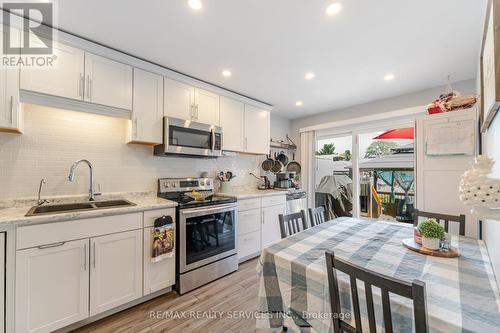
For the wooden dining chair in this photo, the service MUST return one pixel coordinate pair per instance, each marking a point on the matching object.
(317, 215)
(442, 217)
(387, 284)
(292, 223)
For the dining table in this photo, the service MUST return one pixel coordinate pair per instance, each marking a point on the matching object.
(462, 294)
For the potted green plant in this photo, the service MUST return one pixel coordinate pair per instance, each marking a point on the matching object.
(432, 232)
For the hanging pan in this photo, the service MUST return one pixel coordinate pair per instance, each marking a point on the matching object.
(294, 166)
(267, 165)
(277, 166)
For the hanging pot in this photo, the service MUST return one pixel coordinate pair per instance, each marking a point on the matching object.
(282, 158)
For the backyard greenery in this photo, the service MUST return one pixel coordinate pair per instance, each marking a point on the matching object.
(380, 148)
(328, 149)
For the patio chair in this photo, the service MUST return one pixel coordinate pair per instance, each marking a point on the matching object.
(387, 284)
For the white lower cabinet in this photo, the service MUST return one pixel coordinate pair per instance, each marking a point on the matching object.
(52, 286)
(248, 230)
(248, 245)
(270, 231)
(258, 224)
(157, 275)
(116, 270)
(72, 270)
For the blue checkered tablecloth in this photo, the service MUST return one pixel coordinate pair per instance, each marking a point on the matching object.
(462, 295)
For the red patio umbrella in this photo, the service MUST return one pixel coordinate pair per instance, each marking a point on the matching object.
(400, 133)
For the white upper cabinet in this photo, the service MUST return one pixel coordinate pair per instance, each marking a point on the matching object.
(10, 113)
(108, 82)
(52, 286)
(257, 127)
(206, 107)
(178, 100)
(65, 79)
(186, 102)
(116, 270)
(232, 120)
(147, 109)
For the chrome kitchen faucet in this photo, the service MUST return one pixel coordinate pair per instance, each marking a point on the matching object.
(71, 176)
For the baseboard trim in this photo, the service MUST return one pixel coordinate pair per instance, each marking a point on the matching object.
(113, 311)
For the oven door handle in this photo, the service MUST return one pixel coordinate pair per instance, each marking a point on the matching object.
(209, 210)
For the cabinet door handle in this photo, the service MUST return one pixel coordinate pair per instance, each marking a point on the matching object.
(91, 88)
(87, 88)
(80, 85)
(85, 256)
(93, 254)
(12, 110)
(135, 127)
(197, 111)
(48, 246)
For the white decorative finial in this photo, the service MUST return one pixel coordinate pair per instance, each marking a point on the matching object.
(479, 190)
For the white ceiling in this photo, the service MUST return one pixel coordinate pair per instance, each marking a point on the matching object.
(270, 44)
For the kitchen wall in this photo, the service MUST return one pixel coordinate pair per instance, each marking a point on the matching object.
(418, 98)
(280, 127)
(53, 139)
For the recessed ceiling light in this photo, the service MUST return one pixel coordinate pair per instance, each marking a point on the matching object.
(333, 8)
(389, 77)
(195, 4)
(226, 73)
(299, 103)
(309, 76)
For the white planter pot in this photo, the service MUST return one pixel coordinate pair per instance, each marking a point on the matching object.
(430, 243)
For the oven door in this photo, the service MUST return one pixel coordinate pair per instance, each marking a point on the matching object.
(207, 234)
(191, 138)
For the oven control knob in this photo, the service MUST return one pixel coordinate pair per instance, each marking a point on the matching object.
(166, 185)
(202, 183)
(208, 182)
(174, 185)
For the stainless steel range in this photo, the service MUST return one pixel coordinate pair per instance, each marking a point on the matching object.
(206, 232)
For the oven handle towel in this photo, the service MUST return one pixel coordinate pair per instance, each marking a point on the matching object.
(163, 238)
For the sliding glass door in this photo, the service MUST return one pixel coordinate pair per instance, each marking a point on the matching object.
(333, 178)
(367, 173)
(386, 174)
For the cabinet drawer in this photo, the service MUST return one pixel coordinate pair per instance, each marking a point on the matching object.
(248, 221)
(273, 200)
(248, 244)
(41, 234)
(151, 215)
(247, 204)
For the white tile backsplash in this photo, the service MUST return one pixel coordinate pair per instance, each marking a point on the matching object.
(54, 139)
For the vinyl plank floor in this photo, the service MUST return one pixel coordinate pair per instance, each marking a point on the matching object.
(222, 300)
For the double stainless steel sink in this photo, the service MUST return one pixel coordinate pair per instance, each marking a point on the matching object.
(77, 207)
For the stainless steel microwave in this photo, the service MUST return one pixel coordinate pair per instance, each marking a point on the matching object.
(185, 137)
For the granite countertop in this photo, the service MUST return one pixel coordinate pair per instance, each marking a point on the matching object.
(12, 212)
(251, 193)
